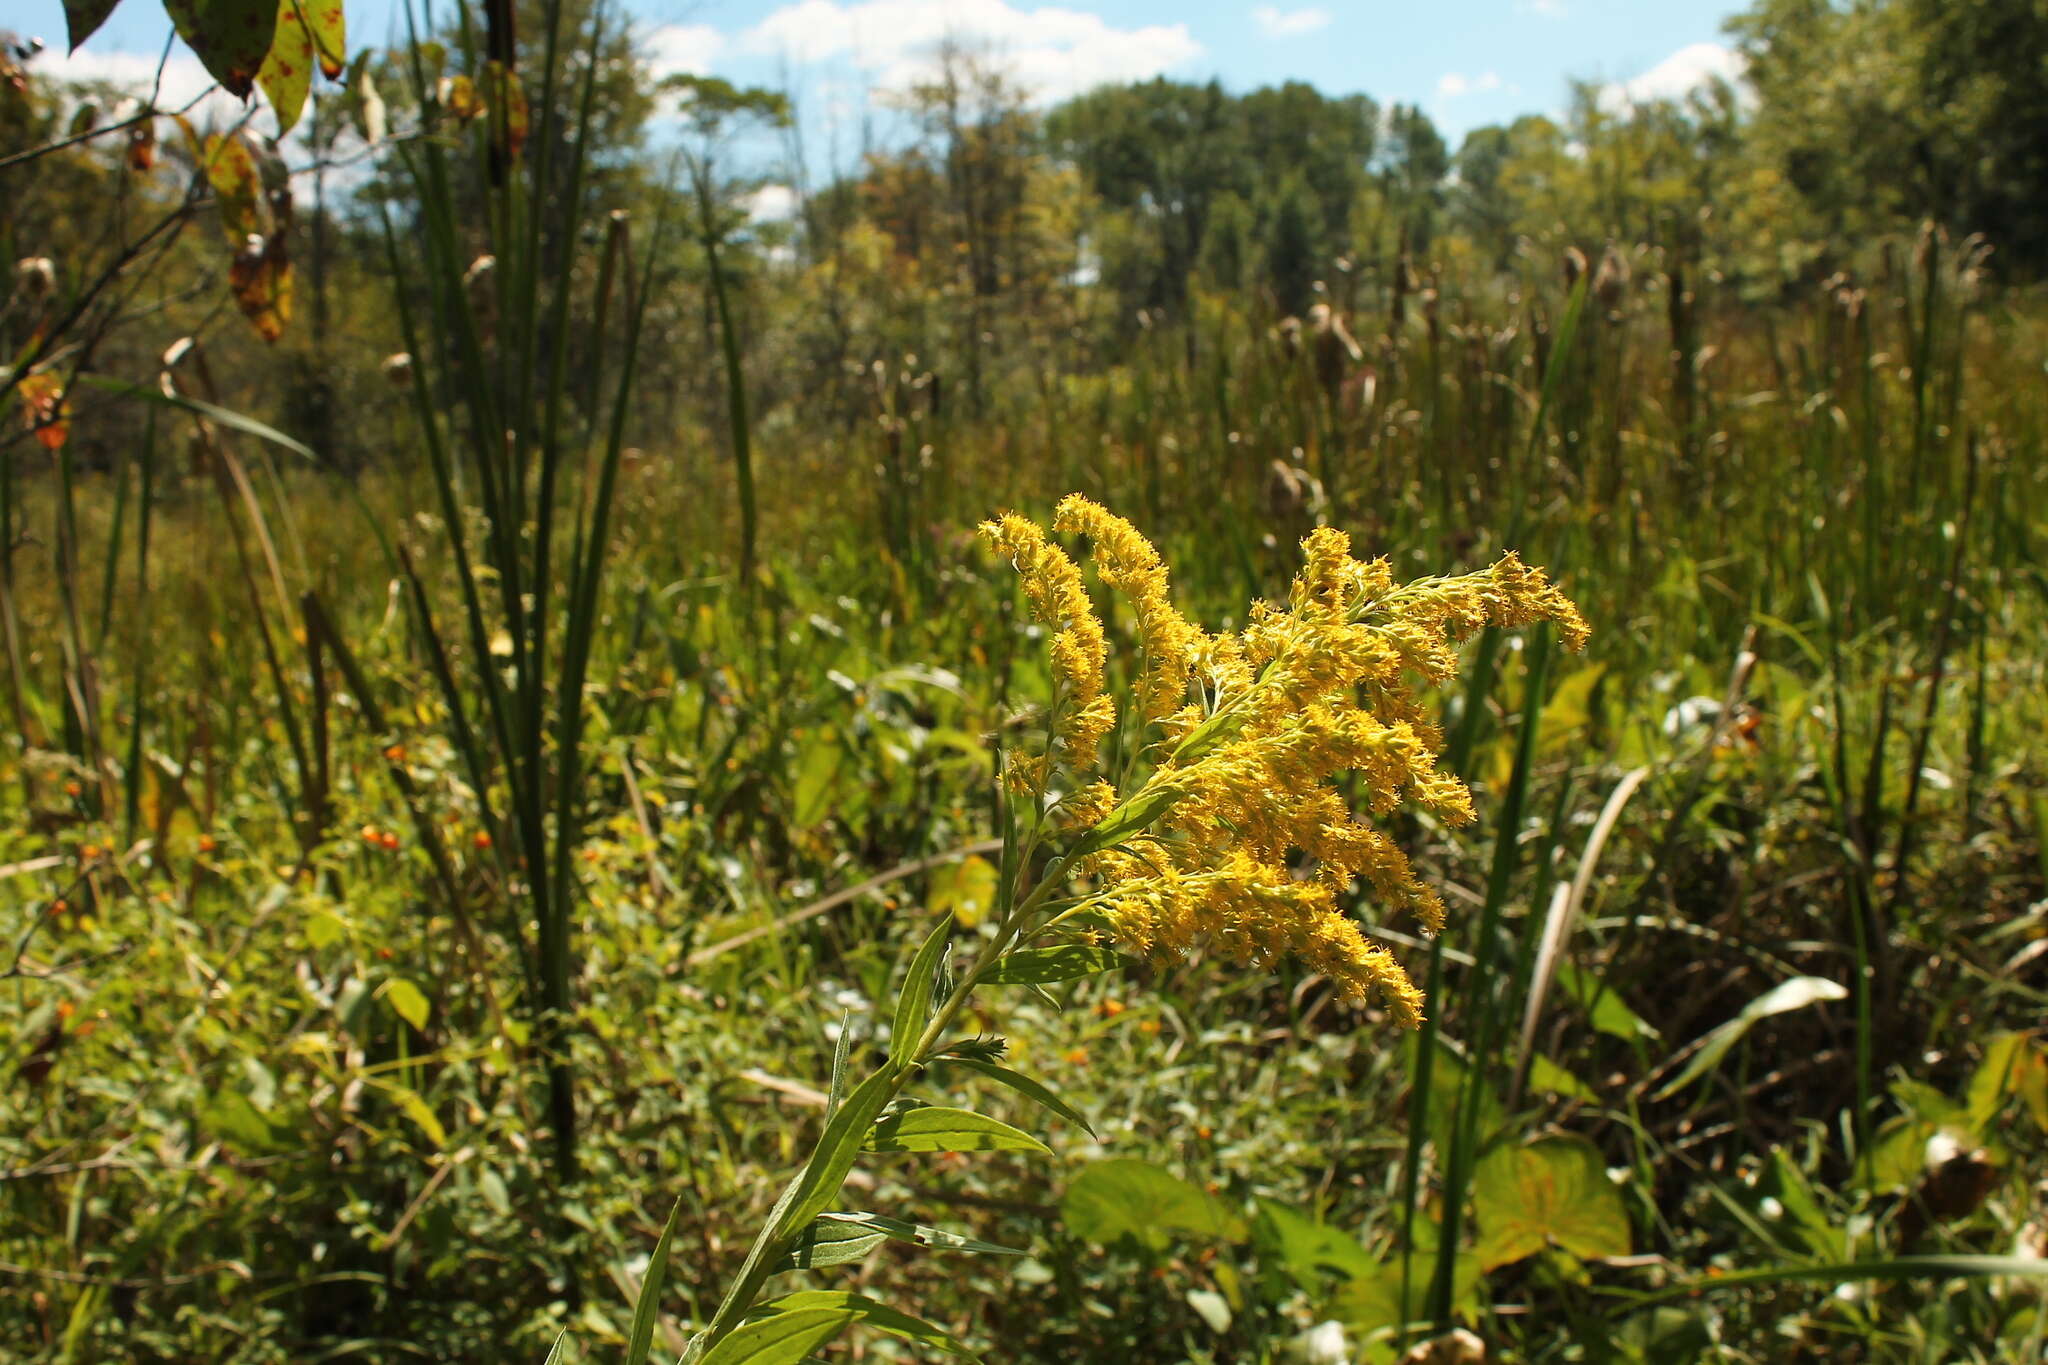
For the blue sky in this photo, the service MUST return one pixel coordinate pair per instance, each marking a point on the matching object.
(1466, 62)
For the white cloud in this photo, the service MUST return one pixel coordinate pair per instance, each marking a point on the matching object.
(1677, 76)
(183, 81)
(1054, 52)
(682, 49)
(1545, 9)
(1453, 84)
(771, 204)
(1275, 23)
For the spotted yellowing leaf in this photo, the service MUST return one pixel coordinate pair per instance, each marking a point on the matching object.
(1549, 1193)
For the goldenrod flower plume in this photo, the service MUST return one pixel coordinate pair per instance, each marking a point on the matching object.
(1052, 584)
(1250, 842)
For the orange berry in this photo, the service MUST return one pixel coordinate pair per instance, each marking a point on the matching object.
(483, 838)
(396, 753)
(1077, 1055)
(206, 843)
(72, 789)
(1111, 1008)
(370, 836)
(389, 842)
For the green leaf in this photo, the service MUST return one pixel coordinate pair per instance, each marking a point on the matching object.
(784, 1339)
(407, 1001)
(82, 18)
(248, 1129)
(829, 1241)
(1796, 993)
(966, 890)
(491, 1186)
(1127, 1199)
(1549, 1077)
(211, 411)
(817, 774)
(914, 1006)
(872, 1313)
(1308, 1250)
(230, 37)
(1132, 817)
(1036, 1091)
(1374, 1302)
(1604, 1006)
(418, 1110)
(648, 1306)
(832, 1239)
(1037, 966)
(1549, 1193)
(1928, 1268)
(2013, 1065)
(839, 1146)
(932, 1128)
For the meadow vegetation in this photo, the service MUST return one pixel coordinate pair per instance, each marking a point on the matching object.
(517, 754)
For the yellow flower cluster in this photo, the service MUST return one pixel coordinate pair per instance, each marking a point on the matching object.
(1254, 843)
(1082, 711)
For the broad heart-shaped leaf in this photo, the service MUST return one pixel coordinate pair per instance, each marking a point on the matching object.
(1796, 993)
(1036, 1091)
(1038, 966)
(932, 1128)
(648, 1307)
(784, 1338)
(1125, 1198)
(230, 37)
(873, 1313)
(1552, 1192)
(82, 18)
(286, 75)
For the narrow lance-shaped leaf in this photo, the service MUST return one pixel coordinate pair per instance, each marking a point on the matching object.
(936, 1129)
(648, 1307)
(873, 1313)
(914, 1006)
(1036, 1091)
(1069, 962)
(783, 1339)
(1796, 993)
